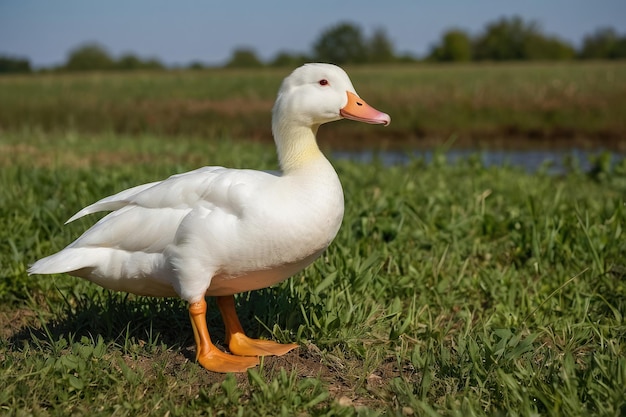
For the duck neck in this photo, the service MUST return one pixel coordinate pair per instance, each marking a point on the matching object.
(296, 146)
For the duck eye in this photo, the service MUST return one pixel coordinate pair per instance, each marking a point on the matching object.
(324, 82)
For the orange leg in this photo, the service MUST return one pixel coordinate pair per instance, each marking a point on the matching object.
(207, 353)
(238, 342)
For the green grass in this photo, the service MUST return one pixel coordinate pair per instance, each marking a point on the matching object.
(451, 289)
(573, 103)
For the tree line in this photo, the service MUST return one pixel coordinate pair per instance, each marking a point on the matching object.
(505, 39)
(510, 39)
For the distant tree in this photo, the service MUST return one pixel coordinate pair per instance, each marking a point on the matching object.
(196, 65)
(153, 63)
(341, 44)
(604, 43)
(244, 58)
(456, 45)
(380, 48)
(288, 59)
(514, 39)
(88, 57)
(505, 39)
(540, 47)
(10, 64)
(620, 49)
(129, 62)
(132, 62)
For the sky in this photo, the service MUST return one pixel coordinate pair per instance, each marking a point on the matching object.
(179, 32)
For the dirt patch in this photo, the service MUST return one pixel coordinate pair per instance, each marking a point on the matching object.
(32, 156)
(232, 107)
(500, 138)
(307, 362)
(13, 321)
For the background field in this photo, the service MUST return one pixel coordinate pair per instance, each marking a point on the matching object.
(451, 289)
(505, 105)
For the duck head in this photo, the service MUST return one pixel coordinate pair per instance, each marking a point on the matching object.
(319, 93)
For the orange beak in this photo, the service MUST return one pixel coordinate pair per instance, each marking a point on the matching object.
(359, 110)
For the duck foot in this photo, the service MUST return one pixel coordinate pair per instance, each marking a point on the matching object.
(209, 356)
(242, 345)
(218, 361)
(238, 342)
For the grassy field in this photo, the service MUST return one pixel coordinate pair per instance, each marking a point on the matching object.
(508, 105)
(451, 289)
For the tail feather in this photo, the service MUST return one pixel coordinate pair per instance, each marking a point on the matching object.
(67, 260)
(113, 202)
(135, 272)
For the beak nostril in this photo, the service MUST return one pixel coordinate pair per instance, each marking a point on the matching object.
(359, 103)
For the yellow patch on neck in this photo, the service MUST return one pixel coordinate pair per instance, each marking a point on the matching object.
(299, 156)
(297, 148)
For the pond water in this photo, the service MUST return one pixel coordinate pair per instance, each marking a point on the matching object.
(551, 161)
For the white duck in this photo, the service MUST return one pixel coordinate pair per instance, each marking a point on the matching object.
(216, 231)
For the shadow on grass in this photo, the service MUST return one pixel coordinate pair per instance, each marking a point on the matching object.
(129, 321)
(157, 330)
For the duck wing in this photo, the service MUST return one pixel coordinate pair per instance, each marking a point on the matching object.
(145, 220)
